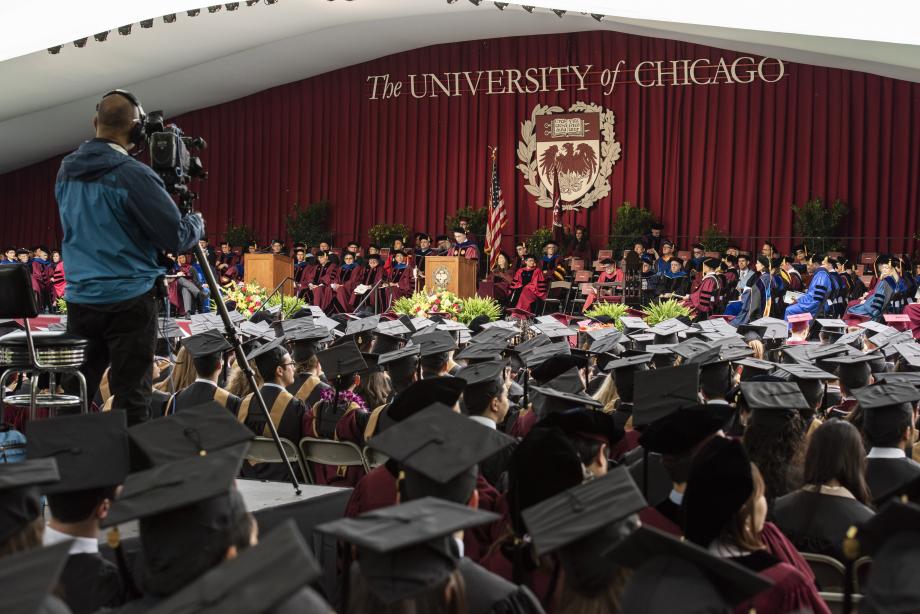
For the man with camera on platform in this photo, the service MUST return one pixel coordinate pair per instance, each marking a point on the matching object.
(117, 218)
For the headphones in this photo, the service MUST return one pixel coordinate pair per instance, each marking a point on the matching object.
(138, 134)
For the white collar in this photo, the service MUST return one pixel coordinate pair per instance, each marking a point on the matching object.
(483, 421)
(677, 498)
(205, 381)
(833, 491)
(886, 453)
(460, 548)
(725, 551)
(717, 402)
(273, 384)
(118, 148)
(80, 545)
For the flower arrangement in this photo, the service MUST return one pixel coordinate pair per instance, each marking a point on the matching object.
(614, 311)
(422, 305)
(289, 304)
(61, 306)
(345, 396)
(248, 297)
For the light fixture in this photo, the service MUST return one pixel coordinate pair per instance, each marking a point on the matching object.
(559, 12)
(529, 9)
(270, 2)
(54, 50)
(232, 6)
(100, 38)
(124, 30)
(251, 2)
(597, 16)
(500, 5)
(80, 43)
(193, 12)
(476, 2)
(451, 1)
(171, 18)
(213, 9)
(147, 23)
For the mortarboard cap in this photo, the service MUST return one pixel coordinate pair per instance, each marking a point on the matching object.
(549, 400)
(395, 327)
(677, 433)
(850, 338)
(631, 361)
(202, 322)
(493, 334)
(753, 366)
(672, 326)
(8, 325)
(773, 403)
(910, 353)
(441, 446)
(362, 325)
(891, 338)
(29, 579)
(537, 356)
(483, 373)
(534, 342)
(653, 553)
(194, 431)
(824, 352)
(91, 449)
(689, 348)
(167, 328)
(802, 372)
(886, 395)
(875, 327)
(906, 377)
(830, 325)
(587, 424)
(578, 512)
(435, 342)
(175, 485)
(555, 329)
(659, 392)
(206, 343)
(266, 351)
(631, 323)
(481, 351)
(554, 366)
(254, 582)
(341, 360)
(19, 495)
(403, 352)
(895, 517)
(607, 343)
(404, 549)
(425, 392)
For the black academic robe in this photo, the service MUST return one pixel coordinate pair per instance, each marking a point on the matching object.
(199, 393)
(671, 511)
(89, 583)
(659, 482)
(308, 388)
(885, 475)
(488, 593)
(818, 523)
(494, 469)
(288, 420)
(157, 404)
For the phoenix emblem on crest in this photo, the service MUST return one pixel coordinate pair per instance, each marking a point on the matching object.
(574, 165)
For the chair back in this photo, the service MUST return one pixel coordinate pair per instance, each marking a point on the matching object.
(582, 277)
(577, 264)
(829, 572)
(560, 284)
(861, 569)
(684, 255)
(264, 450)
(603, 254)
(834, 602)
(868, 257)
(374, 458)
(16, 290)
(328, 452)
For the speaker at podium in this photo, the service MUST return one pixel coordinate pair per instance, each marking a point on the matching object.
(455, 274)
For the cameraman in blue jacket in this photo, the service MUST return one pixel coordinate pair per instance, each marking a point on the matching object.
(117, 217)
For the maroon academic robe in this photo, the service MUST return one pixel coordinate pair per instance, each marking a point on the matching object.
(375, 490)
(791, 591)
(303, 276)
(39, 277)
(468, 250)
(779, 546)
(346, 429)
(502, 283)
(703, 301)
(348, 281)
(324, 277)
(533, 286)
(404, 284)
(55, 280)
(175, 298)
(227, 267)
(369, 277)
(525, 421)
(604, 277)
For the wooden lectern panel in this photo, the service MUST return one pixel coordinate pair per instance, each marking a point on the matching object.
(452, 273)
(268, 270)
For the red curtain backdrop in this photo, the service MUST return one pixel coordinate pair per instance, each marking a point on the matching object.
(734, 155)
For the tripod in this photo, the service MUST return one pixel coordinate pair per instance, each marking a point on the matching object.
(234, 340)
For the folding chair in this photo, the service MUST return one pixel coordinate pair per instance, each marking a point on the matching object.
(829, 572)
(51, 353)
(335, 453)
(373, 458)
(604, 253)
(561, 286)
(861, 569)
(834, 602)
(264, 450)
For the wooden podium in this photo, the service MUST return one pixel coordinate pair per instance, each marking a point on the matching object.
(268, 270)
(452, 273)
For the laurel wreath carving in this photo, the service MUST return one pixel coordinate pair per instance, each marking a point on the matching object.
(527, 154)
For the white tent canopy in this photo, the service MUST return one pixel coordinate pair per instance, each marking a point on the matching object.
(46, 100)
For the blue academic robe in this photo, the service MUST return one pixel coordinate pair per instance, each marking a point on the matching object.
(813, 300)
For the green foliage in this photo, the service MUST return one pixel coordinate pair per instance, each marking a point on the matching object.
(384, 234)
(537, 239)
(629, 224)
(714, 240)
(819, 226)
(238, 235)
(478, 220)
(614, 311)
(407, 305)
(475, 306)
(307, 224)
(61, 305)
(664, 310)
(289, 304)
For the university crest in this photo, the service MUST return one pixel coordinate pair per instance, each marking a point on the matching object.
(578, 146)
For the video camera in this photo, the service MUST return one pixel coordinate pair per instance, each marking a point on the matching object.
(172, 159)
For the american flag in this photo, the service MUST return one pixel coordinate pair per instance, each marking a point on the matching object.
(497, 216)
